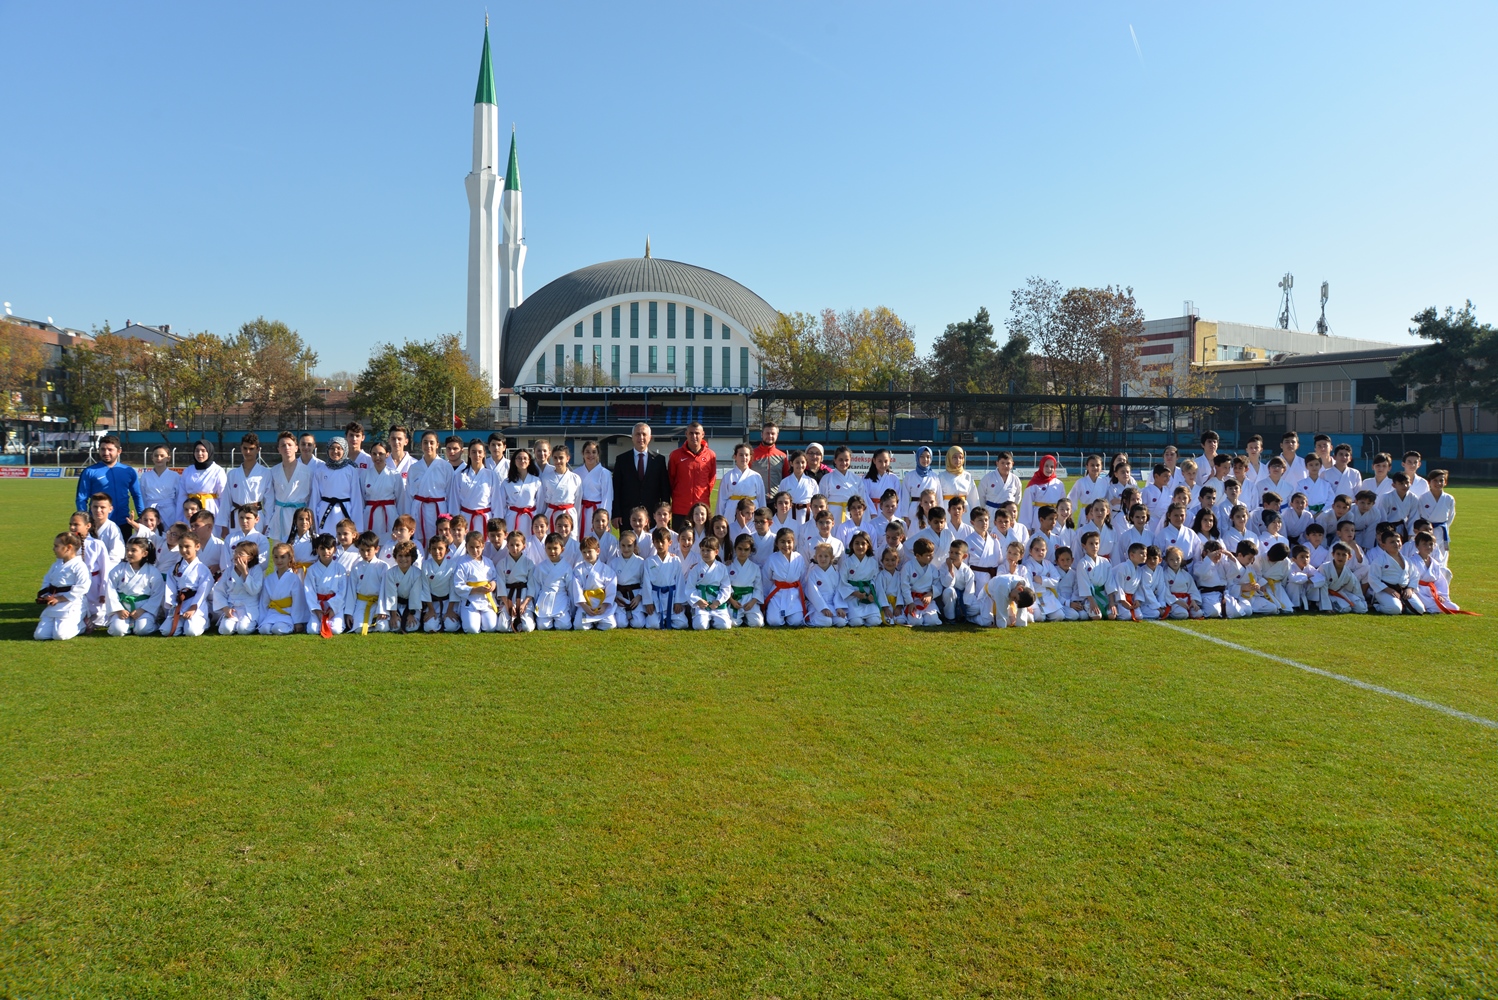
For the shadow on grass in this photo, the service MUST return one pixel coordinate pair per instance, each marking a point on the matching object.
(18, 620)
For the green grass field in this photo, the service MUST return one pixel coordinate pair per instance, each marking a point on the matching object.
(1064, 811)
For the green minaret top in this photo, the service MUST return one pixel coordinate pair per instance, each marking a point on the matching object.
(512, 172)
(485, 93)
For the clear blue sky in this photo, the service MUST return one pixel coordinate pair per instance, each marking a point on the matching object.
(202, 164)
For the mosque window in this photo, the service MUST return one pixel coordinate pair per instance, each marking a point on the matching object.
(691, 315)
(598, 324)
(726, 381)
(670, 320)
(744, 367)
(614, 358)
(634, 321)
(634, 359)
(652, 359)
(691, 369)
(616, 322)
(707, 327)
(577, 331)
(671, 360)
(653, 327)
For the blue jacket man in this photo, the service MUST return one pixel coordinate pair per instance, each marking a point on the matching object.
(112, 477)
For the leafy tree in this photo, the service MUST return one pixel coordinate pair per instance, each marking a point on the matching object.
(415, 384)
(873, 347)
(90, 383)
(214, 376)
(1459, 366)
(585, 374)
(968, 356)
(278, 382)
(794, 354)
(21, 361)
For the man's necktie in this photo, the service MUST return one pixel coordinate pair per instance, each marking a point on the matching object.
(641, 463)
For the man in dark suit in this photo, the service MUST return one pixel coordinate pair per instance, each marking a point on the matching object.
(640, 479)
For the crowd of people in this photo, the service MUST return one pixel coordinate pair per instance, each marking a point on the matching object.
(473, 536)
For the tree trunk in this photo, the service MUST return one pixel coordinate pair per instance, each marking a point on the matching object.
(1461, 450)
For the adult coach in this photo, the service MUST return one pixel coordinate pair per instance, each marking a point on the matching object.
(640, 478)
(112, 477)
(693, 469)
(768, 460)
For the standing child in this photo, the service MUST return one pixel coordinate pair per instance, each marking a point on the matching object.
(1439, 508)
(64, 590)
(1044, 488)
(283, 603)
(562, 490)
(187, 588)
(740, 483)
(593, 583)
(521, 492)
(134, 592)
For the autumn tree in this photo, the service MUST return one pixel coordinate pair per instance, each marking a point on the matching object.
(277, 383)
(21, 361)
(416, 384)
(793, 353)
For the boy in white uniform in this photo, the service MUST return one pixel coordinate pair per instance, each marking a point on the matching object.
(708, 590)
(887, 588)
(474, 584)
(247, 517)
(1012, 598)
(324, 588)
(593, 583)
(957, 585)
(1439, 508)
(441, 611)
(362, 602)
(1399, 505)
(918, 585)
(1344, 592)
(248, 484)
(283, 602)
(1094, 577)
(1128, 597)
(1391, 578)
(1000, 484)
(64, 590)
(551, 583)
(1213, 571)
(403, 592)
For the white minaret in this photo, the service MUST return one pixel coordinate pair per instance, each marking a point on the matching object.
(511, 245)
(485, 316)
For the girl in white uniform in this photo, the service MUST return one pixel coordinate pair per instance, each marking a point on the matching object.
(740, 483)
(427, 484)
(204, 480)
(840, 485)
(629, 582)
(326, 581)
(64, 590)
(822, 588)
(283, 602)
(878, 479)
(380, 488)
(336, 489)
(474, 490)
(474, 584)
(597, 491)
(188, 586)
(708, 589)
(1043, 489)
(521, 493)
(917, 481)
(160, 486)
(562, 491)
(551, 583)
(783, 573)
(515, 569)
(857, 571)
(134, 593)
(236, 596)
(956, 481)
(441, 613)
(746, 597)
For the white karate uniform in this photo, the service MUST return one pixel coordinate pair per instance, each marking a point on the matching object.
(801, 489)
(283, 602)
(236, 601)
(822, 588)
(887, 588)
(784, 599)
(913, 484)
(957, 484)
(163, 493)
(226, 558)
(1212, 579)
(1440, 512)
(597, 493)
(188, 587)
(703, 585)
(323, 590)
(1094, 581)
(514, 577)
(551, 586)
(662, 590)
(629, 577)
(958, 596)
(919, 593)
(1083, 492)
(1344, 591)
(1131, 593)
(381, 491)
(241, 490)
(403, 592)
(1385, 570)
(72, 581)
(335, 495)
(837, 487)
(134, 590)
(426, 496)
(998, 591)
(561, 494)
(593, 595)
(1045, 580)
(206, 486)
(286, 496)
(858, 577)
(1178, 595)
(995, 490)
(440, 596)
(521, 501)
(1434, 585)
(478, 609)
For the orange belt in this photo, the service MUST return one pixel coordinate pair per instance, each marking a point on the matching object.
(326, 630)
(1441, 602)
(787, 585)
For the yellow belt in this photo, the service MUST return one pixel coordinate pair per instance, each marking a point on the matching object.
(300, 567)
(203, 498)
(368, 600)
(594, 597)
(282, 604)
(488, 595)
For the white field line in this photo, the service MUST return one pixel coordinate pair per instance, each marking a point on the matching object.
(1455, 713)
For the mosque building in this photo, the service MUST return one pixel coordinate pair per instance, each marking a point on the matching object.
(639, 323)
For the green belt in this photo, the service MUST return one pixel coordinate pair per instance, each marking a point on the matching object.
(739, 593)
(863, 586)
(708, 592)
(130, 601)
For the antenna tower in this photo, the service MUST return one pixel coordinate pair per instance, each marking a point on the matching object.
(1321, 326)
(1287, 302)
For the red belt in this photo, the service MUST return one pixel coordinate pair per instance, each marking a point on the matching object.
(370, 505)
(924, 595)
(529, 512)
(484, 521)
(553, 509)
(589, 506)
(423, 519)
(326, 629)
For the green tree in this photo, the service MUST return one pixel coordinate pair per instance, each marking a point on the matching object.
(89, 383)
(416, 384)
(1459, 366)
(214, 378)
(21, 361)
(967, 355)
(278, 380)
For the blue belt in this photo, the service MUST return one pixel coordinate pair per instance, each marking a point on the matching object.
(664, 610)
(1445, 536)
(290, 503)
(990, 503)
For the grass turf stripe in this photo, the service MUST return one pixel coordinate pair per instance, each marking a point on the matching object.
(1434, 706)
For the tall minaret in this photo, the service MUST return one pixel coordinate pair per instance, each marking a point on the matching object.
(511, 246)
(484, 309)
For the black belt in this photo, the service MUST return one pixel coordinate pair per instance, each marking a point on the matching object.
(990, 570)
(1213, 590)
(627, 589)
